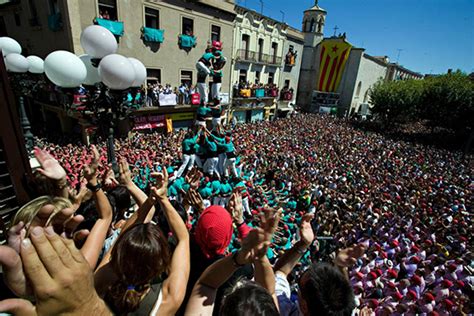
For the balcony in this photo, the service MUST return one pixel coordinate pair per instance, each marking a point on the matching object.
(244, 55)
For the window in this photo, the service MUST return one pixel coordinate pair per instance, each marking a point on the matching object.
(3, 28)
(243, 75)
(187, 77)
(153, 76)
(274, 52)
(152, 18)
(271, 77)
(108, 10)
(34, 21)
(287, 84)
(312, 27)
(359, 87)
(260, 49)
(187, 26)
(53, 6)
(17, 19)
(215, 33)
(257, 76)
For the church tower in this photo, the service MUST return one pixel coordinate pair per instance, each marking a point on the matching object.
(313, 25)
(313, 28)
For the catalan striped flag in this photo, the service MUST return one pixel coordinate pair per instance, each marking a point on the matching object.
(334, 55)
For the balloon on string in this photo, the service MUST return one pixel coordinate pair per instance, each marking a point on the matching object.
(116, 72)
(8, 45)
(92, 72)
(16, 63)
(98, 42)
(140, 72)
(36, 64)
(65, 69)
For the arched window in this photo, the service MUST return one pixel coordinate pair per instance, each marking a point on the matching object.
(320, 25)
(359, 87)
(313, 25)
(366, 96)
(305, 26)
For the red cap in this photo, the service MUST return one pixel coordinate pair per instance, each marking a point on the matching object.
(460, 283)
(416, 279)
(394, 243)
(374, 302)
(359, 275)
(373, 275)
(412, 294)
(415, 259)
(447, 283)
(449, 303)
(415, 248)
(398, 296)
(392, 273)
(214, 231)
(391, 285)
(429, 296)
(217, 45)
(452, 267)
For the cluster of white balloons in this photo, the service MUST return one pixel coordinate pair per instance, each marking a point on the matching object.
(15, 62)
(67, 70)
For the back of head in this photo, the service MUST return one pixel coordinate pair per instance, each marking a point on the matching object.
(248, 299)
(213, 231)
(140, 254)
(325, 291)
(119, 198)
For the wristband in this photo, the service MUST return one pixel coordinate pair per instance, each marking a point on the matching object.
(94, 188)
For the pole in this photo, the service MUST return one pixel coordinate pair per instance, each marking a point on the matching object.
(261, 7)
(282, 16)
(398, 56)
(111, 145)
(25, 125)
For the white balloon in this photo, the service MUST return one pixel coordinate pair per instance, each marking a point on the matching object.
(16, 63)
(98, 42)
(92, 72)
(65, 69)
(140, 72)
(116, 72)
(36, 64)
(8, 45)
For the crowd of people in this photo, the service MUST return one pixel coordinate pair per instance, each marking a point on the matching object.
(254, 90)
(301, 216)
(183, 93)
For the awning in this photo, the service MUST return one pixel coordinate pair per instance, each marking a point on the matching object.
(153, 35)
(115, 27)
(152, 125)
(186, 41)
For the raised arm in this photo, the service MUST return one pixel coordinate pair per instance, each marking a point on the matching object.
(51, 169)
(174, 287)
(204, 292)
(289, 260)
(95, 240)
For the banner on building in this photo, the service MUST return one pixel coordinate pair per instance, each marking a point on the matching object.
(167, 99)
(334, 55)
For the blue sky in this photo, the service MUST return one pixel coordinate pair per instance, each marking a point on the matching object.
(434, 35)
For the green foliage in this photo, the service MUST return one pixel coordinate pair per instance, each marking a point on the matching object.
(446, 101)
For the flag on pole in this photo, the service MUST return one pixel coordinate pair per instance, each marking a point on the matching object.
(334, 55)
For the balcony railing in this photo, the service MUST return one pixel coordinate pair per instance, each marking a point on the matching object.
(257, 57)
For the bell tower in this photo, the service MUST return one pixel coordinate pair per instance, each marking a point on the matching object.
(314, 20)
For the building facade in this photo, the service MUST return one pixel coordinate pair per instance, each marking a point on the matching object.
(291, 66)
(42, 26)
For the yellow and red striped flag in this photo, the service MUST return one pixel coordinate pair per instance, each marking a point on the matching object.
(334, 55)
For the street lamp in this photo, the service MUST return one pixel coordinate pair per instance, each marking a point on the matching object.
(18, 66)
(107, 77)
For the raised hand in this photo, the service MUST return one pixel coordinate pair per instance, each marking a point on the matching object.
(194, 199)
(193, 178)
(90, 171)
(60, 277)
(160, 190)
(235, 208)
(348, 256)
(50, 167)
(108, 179)
(125, 176)
(306, 230)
